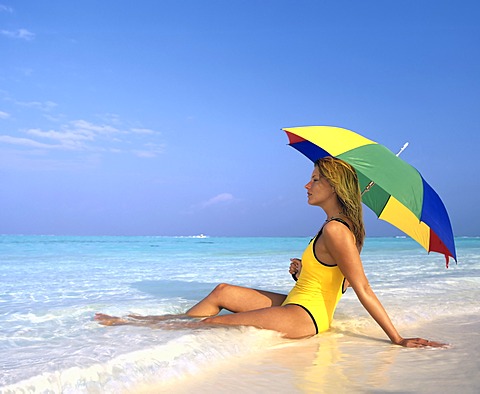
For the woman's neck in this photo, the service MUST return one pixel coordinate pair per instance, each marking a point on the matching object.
(339, 214)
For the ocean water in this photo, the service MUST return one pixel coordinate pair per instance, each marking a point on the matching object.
(52, 286)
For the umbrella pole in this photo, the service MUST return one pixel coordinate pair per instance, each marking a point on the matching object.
(371, 183)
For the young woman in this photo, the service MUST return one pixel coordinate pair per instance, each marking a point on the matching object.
(330, 263)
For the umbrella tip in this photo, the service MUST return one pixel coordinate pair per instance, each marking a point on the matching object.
(403, 148)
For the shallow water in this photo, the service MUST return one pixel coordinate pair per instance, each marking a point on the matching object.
(52, 286)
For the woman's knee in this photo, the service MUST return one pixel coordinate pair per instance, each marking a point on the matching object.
(209, 320)
(221, 289)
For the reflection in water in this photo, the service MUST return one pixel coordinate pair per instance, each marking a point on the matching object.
(330, 362)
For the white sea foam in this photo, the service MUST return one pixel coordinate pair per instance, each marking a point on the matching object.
(161, 365)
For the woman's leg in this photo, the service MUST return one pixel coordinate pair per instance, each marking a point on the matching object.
(290, 320)
(234, 299)
(224, 296)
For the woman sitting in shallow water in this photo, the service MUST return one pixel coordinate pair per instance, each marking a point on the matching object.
(330, 263)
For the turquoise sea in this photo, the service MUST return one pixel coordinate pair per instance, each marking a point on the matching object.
(51, 287)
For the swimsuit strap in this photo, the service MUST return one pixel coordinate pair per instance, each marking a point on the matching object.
(318, 235)
(339, 220)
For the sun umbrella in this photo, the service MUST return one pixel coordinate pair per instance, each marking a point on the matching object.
(393, 189)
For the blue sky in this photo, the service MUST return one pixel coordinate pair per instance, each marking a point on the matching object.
(164, 117)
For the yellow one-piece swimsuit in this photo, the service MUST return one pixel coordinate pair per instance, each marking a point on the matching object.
(319, 287)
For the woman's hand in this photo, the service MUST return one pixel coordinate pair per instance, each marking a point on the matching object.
(420, 342)
(295, 267)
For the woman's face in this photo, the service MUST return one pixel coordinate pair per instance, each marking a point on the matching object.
(318, 189)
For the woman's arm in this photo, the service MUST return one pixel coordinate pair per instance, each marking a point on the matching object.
(337, 242)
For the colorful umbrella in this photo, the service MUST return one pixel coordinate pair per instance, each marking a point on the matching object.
(393, 189)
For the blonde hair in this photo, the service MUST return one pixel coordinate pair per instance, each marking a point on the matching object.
(343, 178)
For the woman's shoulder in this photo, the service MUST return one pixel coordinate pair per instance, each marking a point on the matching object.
(338, 223)
(335, 237)
(345, 221)
(340, 228)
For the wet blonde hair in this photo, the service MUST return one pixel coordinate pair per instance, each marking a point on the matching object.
(343, 178)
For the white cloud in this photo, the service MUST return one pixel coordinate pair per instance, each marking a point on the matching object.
(67, 139)
(26, 142)
(82, 135)
(22, 34)
(150, 150)
(107, 136)
(62, 135)
(5, 8)
(53, 118)
(42, 106)
(110, 118)
(76, 135)
(218, 199)
(83, 126)
(142, 131)
(145, 154)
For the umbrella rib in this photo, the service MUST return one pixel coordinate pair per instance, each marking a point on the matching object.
(371, 183)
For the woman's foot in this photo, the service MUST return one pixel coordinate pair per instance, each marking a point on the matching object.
(107, 320)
